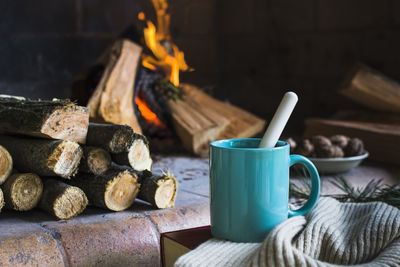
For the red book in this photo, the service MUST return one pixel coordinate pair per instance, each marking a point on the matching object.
(175, 244)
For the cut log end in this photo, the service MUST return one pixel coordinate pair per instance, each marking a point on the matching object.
(159, 190)
(65, 159)
(6, 164)
(139, 156)
(166, 192)
(1, 200)
(71, 203)
(62, 200)
(67, 123)
(22, 191)
(121, 191)
(95, 160)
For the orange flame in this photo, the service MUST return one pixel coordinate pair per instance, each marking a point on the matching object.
(147, 114)
(170, 62)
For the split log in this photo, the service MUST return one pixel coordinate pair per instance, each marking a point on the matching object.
(1, 200)
(22, 191)
(94, 160)
(372, 89)
(57, 119)
(382, 141)
(112, 100)
(138, 155)
(112, 137)
(44, 157)
(114, 190)
(158, 190)
(62, 200)
(199, 119)
(6, 164)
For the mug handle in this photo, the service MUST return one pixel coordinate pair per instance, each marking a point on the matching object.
(315, 185)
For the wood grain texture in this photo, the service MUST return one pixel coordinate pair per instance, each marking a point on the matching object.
(62, 200)
(22, 191)
(199, 119)
(372, 89)
(112, 100)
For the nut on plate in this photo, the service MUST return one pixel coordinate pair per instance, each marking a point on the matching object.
(305, 148)
(320, 141)
(355, 147)
(340, 140)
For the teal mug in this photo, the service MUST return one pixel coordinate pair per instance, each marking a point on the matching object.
(249, 188)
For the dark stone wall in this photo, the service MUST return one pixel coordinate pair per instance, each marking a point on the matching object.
(44, 44)
(266, 47)
(252, 51)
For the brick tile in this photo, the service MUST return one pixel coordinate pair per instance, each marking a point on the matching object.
(185, 199)
(24, 244)
(352, 14)
(40, 16)
(44, 59)
(334, 54)
(395, 13)
(193, 17)
(105, 16)
(179, 218)
(114, 239)
(292, 14)
(236, 16)
(35, 89)
(200, 52)
(380, 50)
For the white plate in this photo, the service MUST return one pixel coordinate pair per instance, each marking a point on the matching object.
(337, 165)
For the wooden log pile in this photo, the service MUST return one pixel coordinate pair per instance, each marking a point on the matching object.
(109, 90)
(59, 162)
(378, 125)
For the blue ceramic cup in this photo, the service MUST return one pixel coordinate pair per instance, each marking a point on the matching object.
(249, 188)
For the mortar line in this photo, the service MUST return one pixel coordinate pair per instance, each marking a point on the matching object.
(194, 193)
(54, 234)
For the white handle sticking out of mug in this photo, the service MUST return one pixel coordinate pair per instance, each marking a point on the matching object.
(278, 122)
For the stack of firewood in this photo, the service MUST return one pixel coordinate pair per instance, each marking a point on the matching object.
(378, 125)
(53, 158)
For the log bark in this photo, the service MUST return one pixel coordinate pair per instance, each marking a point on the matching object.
(112, 100)
(62, 200)
(44, 157)
(58, 119)
(113, 138)
(1, 200)
(158, 190)
(6, 164)
(95, 160)
(22, 191)
(138, 155)
(114, 190)
(372, 89)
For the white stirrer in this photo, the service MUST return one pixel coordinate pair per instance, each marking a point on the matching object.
(278, 122)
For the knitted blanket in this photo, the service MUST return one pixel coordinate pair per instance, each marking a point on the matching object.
(333, 233)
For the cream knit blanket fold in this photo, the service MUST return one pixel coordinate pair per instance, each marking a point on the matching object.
(332, 234)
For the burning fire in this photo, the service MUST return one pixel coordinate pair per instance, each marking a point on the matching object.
(167, 55)
(147, 114)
